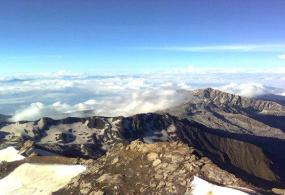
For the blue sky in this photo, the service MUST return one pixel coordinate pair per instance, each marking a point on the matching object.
(140, 36)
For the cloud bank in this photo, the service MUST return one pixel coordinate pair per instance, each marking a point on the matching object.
(248, 89)
(30, 97)
(136, 102)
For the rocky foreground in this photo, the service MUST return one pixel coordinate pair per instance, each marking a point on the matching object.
(139, 168)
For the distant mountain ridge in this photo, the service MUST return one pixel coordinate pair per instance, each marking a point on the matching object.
(233, 113)
(272, 97)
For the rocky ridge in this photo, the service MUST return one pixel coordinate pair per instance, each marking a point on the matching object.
(232, 113)
(93, 137)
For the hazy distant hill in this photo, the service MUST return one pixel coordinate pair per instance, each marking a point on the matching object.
(4, 118)
(271, 97)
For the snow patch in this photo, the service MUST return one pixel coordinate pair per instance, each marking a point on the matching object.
(38, 178)
(10, 154)
(202, 187)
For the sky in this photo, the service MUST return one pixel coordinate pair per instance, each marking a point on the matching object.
(130, 36)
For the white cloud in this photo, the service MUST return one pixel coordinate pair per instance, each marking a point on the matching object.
(56, 110)
(37, 85)
(144, 101)
(224, 70)
(42, 75)
(30, 113)
(136, 102)
(282, 56)
(251, 89)
(221, 48)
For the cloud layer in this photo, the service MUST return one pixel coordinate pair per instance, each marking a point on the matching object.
(247, 89)
(29, 97)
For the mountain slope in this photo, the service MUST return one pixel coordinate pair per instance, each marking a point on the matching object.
(233, 113)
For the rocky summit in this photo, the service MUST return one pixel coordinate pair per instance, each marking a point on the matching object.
(213, 139)
(159, 168)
